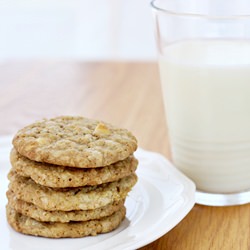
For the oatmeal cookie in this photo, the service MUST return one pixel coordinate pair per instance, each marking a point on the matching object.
(74, 142)
(27, 225)
(66, 199)
(30, 210)
(60, 177)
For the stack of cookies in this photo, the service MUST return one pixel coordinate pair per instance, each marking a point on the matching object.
(70, 177)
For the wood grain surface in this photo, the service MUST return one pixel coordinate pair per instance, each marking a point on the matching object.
(128, 95)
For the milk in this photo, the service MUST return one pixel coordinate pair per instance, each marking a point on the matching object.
(206, 89)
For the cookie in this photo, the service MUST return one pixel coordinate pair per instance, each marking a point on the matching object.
(60, 177)
(27, 225)
(30, 210)
(74, 142)
(66, 199)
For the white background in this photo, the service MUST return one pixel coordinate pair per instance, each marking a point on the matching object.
(76, 29)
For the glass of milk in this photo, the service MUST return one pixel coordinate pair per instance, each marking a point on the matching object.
(204, 62)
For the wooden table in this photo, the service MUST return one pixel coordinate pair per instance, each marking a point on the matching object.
(128, 95)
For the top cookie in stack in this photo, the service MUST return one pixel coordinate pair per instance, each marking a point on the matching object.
(70, 177)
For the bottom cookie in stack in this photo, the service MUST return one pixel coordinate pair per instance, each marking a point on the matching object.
(57, 201)
(72, 229)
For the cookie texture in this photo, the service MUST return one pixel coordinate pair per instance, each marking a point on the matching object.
(70, 177)
(74, 142)
(30, 210)
(60, 177)
(27, 225)
(82, 198)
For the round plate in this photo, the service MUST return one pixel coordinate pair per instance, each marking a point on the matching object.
(160, 200)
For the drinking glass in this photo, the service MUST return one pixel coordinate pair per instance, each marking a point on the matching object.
(204, 63)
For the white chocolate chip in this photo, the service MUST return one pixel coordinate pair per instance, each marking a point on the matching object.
(101, 129)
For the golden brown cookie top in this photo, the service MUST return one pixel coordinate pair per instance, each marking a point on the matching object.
(74, 142)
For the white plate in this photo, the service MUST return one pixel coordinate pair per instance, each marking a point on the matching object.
(159, 201)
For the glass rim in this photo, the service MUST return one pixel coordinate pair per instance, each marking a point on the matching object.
(157, 8)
